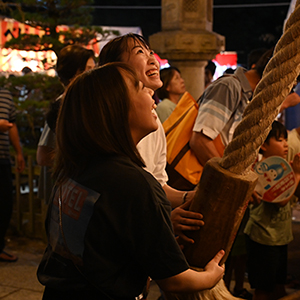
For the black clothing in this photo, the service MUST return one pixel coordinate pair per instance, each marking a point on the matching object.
(116, 223)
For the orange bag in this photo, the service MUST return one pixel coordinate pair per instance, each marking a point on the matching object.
(183, 168)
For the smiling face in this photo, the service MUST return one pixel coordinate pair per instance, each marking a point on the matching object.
(142, 119)
(142, 59)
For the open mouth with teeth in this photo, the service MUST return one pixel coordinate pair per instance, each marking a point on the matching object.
(152, 73)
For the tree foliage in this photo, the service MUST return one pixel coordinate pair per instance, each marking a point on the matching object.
(32, 95)
(48, 15)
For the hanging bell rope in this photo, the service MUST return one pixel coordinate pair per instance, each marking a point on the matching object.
(227, 183)
(276, 83)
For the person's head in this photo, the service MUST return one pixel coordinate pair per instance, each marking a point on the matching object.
(134, 50)
(228, 71)
(276, 142)
(104, 111)
(254, 56)
(210, 70)
(26, 70)
(173, 83)
(73, 60)
(263, 61)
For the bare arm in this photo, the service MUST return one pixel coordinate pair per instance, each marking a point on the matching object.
(255, 198)
(15, 141)
(203, 147)
(291, 100)
(183, 219)
(176, 197)
(5, 125)
(192, 281)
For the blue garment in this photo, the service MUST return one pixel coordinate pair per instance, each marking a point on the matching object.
(292, 114)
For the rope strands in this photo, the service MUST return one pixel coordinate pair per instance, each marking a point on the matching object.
(227, 183)
(276, 83)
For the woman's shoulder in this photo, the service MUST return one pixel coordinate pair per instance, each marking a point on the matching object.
(165, 103)
(115, 171)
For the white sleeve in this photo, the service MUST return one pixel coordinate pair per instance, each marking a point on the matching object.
(47, 137)
(153, 149)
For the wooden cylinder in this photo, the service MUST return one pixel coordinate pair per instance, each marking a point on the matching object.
(222, 197)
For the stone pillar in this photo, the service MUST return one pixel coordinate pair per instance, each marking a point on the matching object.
(187, 39)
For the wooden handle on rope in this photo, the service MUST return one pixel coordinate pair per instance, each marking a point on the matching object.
(227, 183)
(276, 83)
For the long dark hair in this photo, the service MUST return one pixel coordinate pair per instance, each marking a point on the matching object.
(71, 61)
(115, 49)
(93, 119)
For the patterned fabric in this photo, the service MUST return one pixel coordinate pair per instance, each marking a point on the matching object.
(7, 112)
(222, 106)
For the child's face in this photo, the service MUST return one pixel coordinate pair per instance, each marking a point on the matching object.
(275, 147)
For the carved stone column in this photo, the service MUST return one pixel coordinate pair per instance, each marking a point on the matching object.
(187, 39)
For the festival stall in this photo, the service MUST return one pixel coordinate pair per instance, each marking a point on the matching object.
(13, 61)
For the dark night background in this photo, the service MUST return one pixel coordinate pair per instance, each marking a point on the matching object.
(245, 28)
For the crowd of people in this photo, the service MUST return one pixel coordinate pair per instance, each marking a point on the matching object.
(113, 220)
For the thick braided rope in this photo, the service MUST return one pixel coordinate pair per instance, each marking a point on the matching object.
(276, 83)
